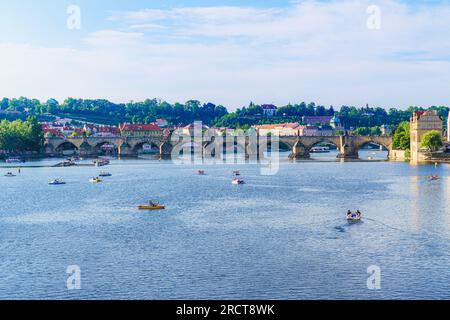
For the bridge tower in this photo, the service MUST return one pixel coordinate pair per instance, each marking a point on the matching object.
(421, 123)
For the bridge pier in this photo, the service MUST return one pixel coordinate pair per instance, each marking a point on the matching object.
(165, 150)
(125, 150)
(299, 151)
(347, 149)
(85, 149)
(347, 152)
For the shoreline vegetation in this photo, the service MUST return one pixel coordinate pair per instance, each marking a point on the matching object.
(21, 137)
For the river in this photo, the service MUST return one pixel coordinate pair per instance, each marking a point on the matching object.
(283, 236)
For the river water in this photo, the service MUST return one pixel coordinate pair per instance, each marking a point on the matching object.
(277, 237)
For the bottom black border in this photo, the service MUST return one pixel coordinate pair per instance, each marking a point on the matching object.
(233, 309)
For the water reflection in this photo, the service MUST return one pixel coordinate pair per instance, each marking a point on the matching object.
(428, 198)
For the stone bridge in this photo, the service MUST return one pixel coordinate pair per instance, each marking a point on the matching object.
(348, 146)
(92, 146)
(300, 147)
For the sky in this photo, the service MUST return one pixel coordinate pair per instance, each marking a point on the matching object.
(386, 53)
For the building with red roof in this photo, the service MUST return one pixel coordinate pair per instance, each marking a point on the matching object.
(140, 130)
(107, 132)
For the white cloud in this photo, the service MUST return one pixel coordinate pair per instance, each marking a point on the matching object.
(313, 51)
(114, 38)
(147, 27)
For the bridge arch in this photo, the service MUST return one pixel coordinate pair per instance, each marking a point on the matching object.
(303, 146)
(323, 141)
(374, 152)
(155, 148)
(105, 147)
(66, 147)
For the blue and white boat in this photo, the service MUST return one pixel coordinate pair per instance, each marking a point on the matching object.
(56, 182)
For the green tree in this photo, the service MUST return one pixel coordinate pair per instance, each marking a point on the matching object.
(402, 138)
(432, 141)
(18, 136)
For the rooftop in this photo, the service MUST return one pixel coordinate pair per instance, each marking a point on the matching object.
(139, 127)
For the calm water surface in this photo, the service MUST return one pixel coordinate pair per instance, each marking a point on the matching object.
(277, 237)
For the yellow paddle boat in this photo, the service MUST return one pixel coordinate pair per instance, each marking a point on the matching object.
(152, 206)
(95, 180)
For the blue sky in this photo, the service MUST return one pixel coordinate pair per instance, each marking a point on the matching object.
(229, 52)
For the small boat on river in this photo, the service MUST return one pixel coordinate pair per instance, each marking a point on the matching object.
(201, 172)
(320, 150)
(95, 180)
(101, 162)
(352, 217)
(56, 182)
(237, 181)
(10, 175)
(152, 206)
(105, 174)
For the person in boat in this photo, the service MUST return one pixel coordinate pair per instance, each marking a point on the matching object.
(349, 215)
(152, 203)
(358, 215)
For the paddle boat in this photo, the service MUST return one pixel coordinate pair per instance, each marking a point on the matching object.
(201, 172)
(95, 180)
(434, 177)
(56, 182)
(354, 217)
(10, 174)
(152, 206)
(105, 174)
(237, 181)
(237, 173)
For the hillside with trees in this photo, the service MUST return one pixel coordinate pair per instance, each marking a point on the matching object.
(102, 111)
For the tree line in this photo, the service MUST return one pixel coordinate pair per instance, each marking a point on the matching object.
(106, 112)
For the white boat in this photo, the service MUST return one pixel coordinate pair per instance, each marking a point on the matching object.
(237, 181)
(10, 174)
(320, 150)
(56, 182)
(95, 180)
(101, 162)
(14, 160)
